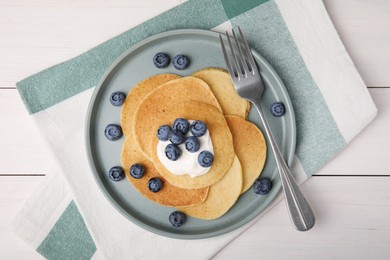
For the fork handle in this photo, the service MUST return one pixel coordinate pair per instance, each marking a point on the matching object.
(299, 209)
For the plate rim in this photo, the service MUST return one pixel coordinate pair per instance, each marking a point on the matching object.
(106, 193)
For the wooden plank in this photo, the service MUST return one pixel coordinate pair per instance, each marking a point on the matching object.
(14, 191)
(364, 28)
(24, 151)
(351, 223)
(30, 38)
(33, 38)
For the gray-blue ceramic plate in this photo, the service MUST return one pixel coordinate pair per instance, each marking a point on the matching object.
(136, 64)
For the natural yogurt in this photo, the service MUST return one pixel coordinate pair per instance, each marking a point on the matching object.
(187, 163)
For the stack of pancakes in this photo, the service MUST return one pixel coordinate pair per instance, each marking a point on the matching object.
(239, 146)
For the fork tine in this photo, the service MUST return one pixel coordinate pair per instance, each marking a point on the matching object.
(248, 52)
(237, 66)
(225, 55)
(241, 56)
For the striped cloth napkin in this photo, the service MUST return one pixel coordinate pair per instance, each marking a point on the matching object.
(70, 218)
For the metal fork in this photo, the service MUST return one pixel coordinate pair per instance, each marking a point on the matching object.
(249, 85)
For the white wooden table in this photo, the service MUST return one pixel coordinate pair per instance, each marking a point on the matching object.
(350, 196)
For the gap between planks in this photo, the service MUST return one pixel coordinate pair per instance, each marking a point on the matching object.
(347, 175)
(22, 175)
(369, 87)
(315, 175)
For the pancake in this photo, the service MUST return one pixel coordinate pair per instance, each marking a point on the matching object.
(220, 136)
(135, 97)
(222, 86)
(169, 195)
(221, 197)
(250, 148)
(148, 116)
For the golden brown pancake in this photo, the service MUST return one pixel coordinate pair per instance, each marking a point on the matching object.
(169, 195)
(220, 136)
(135, 97)
(155, 106)
(221, 85)
(250, 147)
(222, 195)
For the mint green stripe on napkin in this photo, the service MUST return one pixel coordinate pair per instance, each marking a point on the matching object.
(234, 8)
(69, 78)
(318, 137)
(69, 238)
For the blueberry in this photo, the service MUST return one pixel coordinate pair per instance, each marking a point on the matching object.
(278, 109)
(172, 152)
(117, 98)
(161, 60)
(177, 218)
(205, 159)
(262, 185)
(116, 173)
(137, 171)
(198, 128)
(192, 144)
(163, 132)
(181, 125)
(155, 184)
(181, 62)
(176, 137)
(113, 132)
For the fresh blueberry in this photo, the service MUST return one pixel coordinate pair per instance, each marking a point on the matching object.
(137, 171)
(117, 98)
(181, 125)
(181, 62)
(172, 152)
(176, 137)
(278, 109)
(163, 132)
(262, 185)
(161, 60)
(116, 173)
(113, 132)
(192, 144)
(205, 159)
(155, 184)
(198, 128)
(177, 218)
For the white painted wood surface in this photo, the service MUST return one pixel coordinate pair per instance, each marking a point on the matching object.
(350, 195)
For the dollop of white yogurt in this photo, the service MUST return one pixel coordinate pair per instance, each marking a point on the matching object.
(187, 163)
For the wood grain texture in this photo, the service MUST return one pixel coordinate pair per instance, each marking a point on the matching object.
(23, 149)
(351, 223)
(352, 212)
(37, 34)
(364, 28)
